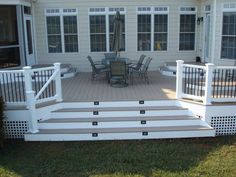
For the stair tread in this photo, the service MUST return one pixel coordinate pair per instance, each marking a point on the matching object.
(124, 130)
(113, 119)
(137, 108)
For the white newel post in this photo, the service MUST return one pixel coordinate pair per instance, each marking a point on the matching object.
(179, 79)
(58, 81)
(208, 86)
(30, 100)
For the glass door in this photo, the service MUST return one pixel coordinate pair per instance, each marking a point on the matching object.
(9, 42)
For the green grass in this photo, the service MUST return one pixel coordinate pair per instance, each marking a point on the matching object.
(180, 157)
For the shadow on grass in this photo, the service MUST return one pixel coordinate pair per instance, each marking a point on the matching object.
(106, 157)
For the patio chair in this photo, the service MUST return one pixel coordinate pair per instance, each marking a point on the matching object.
(118, 73)
(137, 65)
(97, 69)
(143, 71)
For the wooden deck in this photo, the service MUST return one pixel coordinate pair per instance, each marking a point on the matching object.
(81, 89)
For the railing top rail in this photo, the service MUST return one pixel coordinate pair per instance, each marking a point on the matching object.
(11, 71)
(225, 67)
(43, 69)
(194, 66)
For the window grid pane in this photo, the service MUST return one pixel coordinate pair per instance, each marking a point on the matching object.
(54, 34)
(187, 32)
(228, 49)
(98, 33)
(144, 33)
(160, 32)
(70, 33)
(111, 31)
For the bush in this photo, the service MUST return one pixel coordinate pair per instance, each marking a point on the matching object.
(1, 121)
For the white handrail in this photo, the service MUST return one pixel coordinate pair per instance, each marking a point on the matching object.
(194, 66)
(46, 84)
(43, 69)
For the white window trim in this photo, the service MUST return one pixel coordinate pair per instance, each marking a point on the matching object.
(224, 10)
(61, 14)
(106, 13)
(152, 12)
(195, 37)
(231, 7)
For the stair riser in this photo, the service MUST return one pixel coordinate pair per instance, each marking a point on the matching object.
(118, 124)
(119, 104)
(119, 114)
(119, 136)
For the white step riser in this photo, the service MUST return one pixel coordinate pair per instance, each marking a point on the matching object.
(119, 124)
(119, 114)
(119, 104)
(119, 136)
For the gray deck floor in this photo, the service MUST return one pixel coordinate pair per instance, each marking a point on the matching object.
(81, 89)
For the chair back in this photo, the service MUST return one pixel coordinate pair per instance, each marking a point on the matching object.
(110, 56)
(117, 68)
(140, 62)
(92, 63)
(146, 65)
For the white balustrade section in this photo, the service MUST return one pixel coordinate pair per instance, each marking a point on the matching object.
(207, 83)
(31, 86)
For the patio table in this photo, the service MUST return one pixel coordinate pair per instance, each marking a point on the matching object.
(106, 61)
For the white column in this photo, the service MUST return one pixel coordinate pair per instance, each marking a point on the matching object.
(208, 84)
(179, 79)
(30, 100)
(213, 33)
(58, 81)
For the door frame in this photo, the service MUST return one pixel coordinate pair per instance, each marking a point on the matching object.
(30, 59)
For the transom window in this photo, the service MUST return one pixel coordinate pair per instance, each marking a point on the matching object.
(228, 46)
(101, 22)
(152, 28)
(62, 30)
(187, 29)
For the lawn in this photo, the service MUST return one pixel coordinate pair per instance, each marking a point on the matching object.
(180, 157)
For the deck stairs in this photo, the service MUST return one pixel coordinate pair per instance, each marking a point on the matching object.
(120, 121)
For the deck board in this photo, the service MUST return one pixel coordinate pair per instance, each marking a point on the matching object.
(81, 88)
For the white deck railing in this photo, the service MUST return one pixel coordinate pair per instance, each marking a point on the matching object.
(207, 83)
(30, 87)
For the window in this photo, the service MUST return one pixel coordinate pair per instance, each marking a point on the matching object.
(62, 30)
(187, 29)
(98, 33)
(144, 32)
(9, 43)
(101, 22)
(160, 32)
(228, 48)
(152, 28)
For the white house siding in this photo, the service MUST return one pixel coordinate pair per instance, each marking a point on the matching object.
(79, 59)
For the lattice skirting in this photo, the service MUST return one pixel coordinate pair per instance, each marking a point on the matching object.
(15, 129)
(224, 125)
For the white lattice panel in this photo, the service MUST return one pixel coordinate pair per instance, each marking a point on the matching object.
(15, 129)
(224, 125)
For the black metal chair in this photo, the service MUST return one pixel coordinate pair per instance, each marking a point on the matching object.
(137, 65)
(97, 68)
(118, 73)
(143, 71)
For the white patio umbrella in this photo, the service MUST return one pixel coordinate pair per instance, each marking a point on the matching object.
(117, 37)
